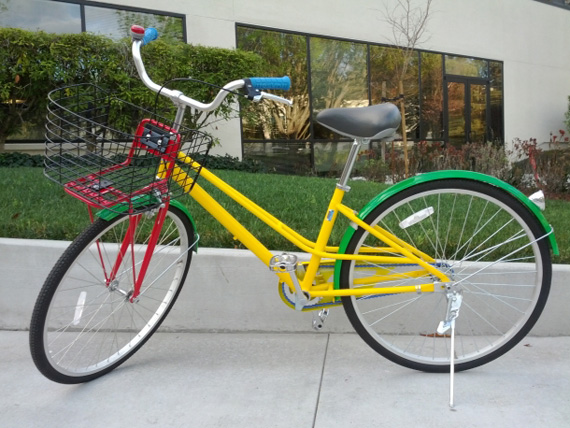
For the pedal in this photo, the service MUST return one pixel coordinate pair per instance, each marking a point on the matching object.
(287, 263)
(283, 263)
(319, 319)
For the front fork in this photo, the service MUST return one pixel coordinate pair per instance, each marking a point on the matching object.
(129, 243)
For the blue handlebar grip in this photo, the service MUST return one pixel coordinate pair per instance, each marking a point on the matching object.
(150, 34)
(281, 83)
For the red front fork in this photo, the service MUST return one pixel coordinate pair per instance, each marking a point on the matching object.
(129, 242)
(155, 234)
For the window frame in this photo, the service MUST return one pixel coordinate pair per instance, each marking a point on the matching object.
(83, 3)
(563, 4)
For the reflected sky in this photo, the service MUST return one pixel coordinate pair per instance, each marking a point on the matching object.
(50, 16)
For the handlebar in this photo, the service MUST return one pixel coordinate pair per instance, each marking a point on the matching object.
(253, 86)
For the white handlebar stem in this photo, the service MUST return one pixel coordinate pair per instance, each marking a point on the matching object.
(178, 97)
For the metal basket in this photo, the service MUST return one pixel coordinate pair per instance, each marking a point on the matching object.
(92, 152)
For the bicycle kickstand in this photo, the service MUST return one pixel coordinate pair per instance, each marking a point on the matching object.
(454, 300)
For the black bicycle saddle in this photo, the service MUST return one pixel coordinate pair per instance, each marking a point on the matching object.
(373, 122)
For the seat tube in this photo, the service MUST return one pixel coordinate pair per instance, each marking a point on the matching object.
(342, 183)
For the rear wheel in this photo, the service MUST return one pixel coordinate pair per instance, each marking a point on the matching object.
(84, 325)
(490, 246)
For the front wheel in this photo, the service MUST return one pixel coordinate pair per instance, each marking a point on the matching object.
(490, 246)
(85, 323)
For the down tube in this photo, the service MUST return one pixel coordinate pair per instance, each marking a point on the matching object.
(230, 223)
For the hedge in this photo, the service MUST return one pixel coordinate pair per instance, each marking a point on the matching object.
(34, 63)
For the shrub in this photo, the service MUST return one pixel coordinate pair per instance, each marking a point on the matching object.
(548, 170)
(13, 160)
(34, 63)
(227, 162)
(487, 158)
(374, 170)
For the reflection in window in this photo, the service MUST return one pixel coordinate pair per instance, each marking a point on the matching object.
(385, 71)
(331, 156)
(338, 77)
(116, 23)
(456, 113)
(496, 82)
(478, 126)
(431, 127)
(287, 55)
(49, 16)
(461, 66)
(329, 73)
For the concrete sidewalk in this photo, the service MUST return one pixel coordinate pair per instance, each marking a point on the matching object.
(286, 380)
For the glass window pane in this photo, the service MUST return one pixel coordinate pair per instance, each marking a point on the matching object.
(49, 16)
(461, 66)
(338, 77)
(432, 97)
(456, 113)
(385, 70)
(496, 79)
(331, 156)
(478, 129)
(383, 73)
(117, 23)
(287, 56)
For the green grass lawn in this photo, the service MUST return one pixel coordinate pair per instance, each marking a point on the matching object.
(34, 207)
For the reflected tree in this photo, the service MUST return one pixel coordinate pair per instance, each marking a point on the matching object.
(408, 22)
(285, 54)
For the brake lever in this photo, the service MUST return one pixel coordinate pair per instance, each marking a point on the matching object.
(273, 97)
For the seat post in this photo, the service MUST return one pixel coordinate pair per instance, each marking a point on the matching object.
(342, 183)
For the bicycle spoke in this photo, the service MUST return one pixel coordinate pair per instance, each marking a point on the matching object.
(484, 241)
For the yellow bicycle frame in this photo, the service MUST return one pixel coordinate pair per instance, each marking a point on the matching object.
(319, 250)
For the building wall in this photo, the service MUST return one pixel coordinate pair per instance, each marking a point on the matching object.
(530, 37)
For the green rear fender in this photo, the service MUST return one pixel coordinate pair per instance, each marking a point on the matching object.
(110, 215)
(442, 175)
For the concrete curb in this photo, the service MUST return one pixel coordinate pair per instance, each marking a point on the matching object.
(227, 290)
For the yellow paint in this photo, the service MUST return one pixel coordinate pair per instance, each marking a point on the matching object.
(312, 278)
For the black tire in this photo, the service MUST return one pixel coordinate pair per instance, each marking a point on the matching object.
(486, 241)
(82, 327)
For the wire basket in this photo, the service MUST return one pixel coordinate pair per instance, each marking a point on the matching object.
(91, 151)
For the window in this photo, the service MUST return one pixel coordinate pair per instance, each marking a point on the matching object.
(448, 98)
(46, 15)
(338, 78)
(497, 129)
(560, 3)
(287, 55)
(385, 70)
(273, 133)
(431, 107)
(75, 16)
(464, 66)
(116, 23)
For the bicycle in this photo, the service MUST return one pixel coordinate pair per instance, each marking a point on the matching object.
(411, 260)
